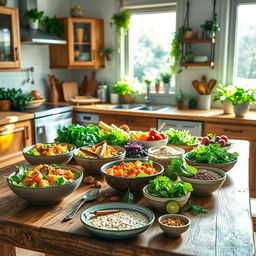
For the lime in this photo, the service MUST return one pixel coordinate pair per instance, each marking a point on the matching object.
(172, 207)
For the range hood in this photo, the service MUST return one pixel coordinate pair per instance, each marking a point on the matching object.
(34, 36)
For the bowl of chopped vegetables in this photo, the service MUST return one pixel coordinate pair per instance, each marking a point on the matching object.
(206, 180)
(182, 139)
(45, 184)
(162, 190)
(130, 173)
(49, 153)
(91, 158)
(212, 156)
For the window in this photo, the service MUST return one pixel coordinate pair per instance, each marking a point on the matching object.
(149, 43)
(244, 66)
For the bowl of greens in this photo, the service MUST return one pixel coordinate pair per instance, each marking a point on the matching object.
(212, 156)
(49, 153)
(44, 184)
(162, 190)
(182, 139)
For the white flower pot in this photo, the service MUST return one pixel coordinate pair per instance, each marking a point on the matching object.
(204, 102)
(227, 107)
(241, 110)
(114, 98)
(167, 87)
(33, 24)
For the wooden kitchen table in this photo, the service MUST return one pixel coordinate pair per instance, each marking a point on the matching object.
(225, 230)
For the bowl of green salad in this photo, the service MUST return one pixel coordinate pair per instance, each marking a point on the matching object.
(182, 139)
(212, 156)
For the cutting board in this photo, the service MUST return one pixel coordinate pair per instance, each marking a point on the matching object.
(88, 87)
(70, 90)
(80, 100)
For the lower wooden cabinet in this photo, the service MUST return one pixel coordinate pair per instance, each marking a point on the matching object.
(13, 138)
(134, 123)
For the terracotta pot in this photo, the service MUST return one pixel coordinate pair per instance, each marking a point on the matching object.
(157, 88)
(127, 98)
(108, 57)
(5, 105)
(188, 34)
(181, 105)
(227, 107)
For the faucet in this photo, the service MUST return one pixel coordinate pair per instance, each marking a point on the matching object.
(147, 97)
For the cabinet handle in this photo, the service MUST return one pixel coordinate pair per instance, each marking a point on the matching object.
(127, 121)
(26, 133)
(231, 130)
(16, 53)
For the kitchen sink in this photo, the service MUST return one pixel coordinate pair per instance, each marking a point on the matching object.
(154, 108)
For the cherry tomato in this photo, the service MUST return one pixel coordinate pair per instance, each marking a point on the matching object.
(200, 139)
(153, 133)
(163, 136)
(151, 138)
(222, 142)
(205, 141)
(224, 137)
(158, 137)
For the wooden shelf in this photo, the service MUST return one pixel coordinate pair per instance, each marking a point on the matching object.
(199, 41)
(82, 43)
(198, 64)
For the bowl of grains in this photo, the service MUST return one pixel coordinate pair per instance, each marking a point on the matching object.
(117, 220)
(206, 181)
(163, 155)
(174, 224)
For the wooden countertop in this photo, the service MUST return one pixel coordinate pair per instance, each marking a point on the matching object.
(7, 117)
(225, 230)
(214, 115)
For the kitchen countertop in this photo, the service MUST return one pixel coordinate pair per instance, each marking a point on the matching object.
(7, 117)
(214, 115)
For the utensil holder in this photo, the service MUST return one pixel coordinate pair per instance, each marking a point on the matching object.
(204, 102)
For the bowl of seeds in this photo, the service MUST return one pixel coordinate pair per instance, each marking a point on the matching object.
(206, 181)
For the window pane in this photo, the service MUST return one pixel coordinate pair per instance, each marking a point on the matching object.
(150, 36)
(245, 51)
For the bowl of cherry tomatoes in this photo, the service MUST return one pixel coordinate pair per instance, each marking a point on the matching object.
(150, 139)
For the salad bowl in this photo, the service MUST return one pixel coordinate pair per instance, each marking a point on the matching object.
(45, 195)
(48, 159)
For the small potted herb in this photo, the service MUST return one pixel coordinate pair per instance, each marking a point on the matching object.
(122, 21)
(53, 26)
(158, 84)
(124, 88)
(180, 100)
(211, 27)
(223, 95)
(34, 17)
(241, 100)
(107, 53)
(187, 33)
(5, 103)
(166, 79)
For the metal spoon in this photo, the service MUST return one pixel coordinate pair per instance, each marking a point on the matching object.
(88, 196)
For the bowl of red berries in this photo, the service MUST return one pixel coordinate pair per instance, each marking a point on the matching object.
(222, 140)
(153, 138)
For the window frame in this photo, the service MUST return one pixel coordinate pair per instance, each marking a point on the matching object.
(125, 44)
(232, 36)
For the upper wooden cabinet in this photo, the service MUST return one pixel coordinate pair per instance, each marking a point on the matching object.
(85, 39)
(9, 38)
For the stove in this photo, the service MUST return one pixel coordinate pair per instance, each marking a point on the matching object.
(48, 119)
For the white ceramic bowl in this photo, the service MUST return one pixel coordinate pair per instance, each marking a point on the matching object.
(160, 202)
(172, 230)
(206, 187)
(150, 144)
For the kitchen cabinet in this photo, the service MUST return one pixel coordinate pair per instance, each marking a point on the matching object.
(13, 138)
(85, 39)
(134, 123)
(9, 38)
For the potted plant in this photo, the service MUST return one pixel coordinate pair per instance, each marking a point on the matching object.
(223, 95)
(211, 27)
(5, 103)
(124, 88)
(34, 17)
(158, 84)
(122, 21)
(107, 53)
(180, 100)
(192, 102)
(53, 26)
(166, 78)
(187, 33)
(241, 100)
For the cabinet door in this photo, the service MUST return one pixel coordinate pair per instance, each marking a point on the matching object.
(135, 123)
(9, 38)
(13, 138)
(81, 42)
